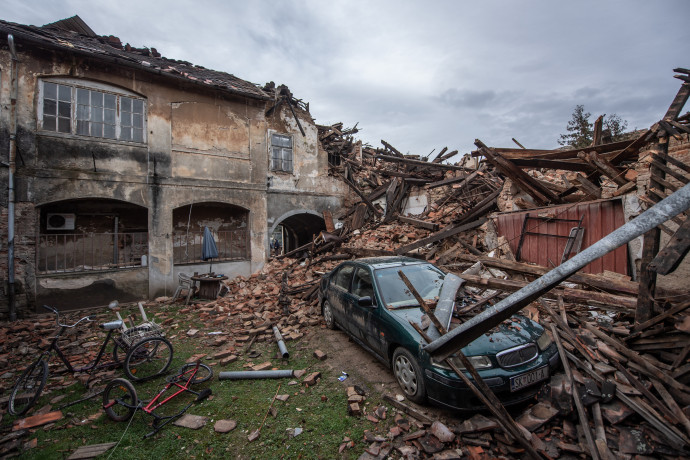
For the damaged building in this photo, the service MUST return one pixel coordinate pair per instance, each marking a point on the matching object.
(119, 157)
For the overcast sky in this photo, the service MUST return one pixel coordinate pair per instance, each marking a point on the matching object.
(421, 75)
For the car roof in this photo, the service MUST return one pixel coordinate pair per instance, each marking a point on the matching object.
(389, 261)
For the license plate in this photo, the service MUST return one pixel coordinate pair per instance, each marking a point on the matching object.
(525, 380)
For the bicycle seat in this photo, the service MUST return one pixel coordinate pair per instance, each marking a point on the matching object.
(112, 325)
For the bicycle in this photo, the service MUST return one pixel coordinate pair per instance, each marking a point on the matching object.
(120, 400)
(144, 359)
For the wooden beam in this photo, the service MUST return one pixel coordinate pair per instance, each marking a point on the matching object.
(427, 164)
(366, 200)
(433, 226)
(650, 247)
(661, 317)
(438, 236)
(569, 294)
(587, 279)
(422, 303)
(669, 258)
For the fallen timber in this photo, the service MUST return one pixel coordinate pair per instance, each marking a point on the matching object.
(461, 336)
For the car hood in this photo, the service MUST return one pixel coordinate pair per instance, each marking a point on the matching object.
(517, 330)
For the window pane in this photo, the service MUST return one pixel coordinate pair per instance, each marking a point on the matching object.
(109, 131)
(280, 140)
(64, 109)
(109, 101)
(83, 96)
(137, 120)
(97, 114)
(126, 104)
(50, 90)
(82, 112)
(126, 119)
(97, 129)
(64, 125)
(96, 99)
(126, 134)
(138, 135)
(49, 107)
(49, 123)
(138, 106)
(110, 116)
(65, 93)
(82, 127)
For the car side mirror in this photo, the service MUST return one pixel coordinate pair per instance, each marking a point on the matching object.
(366, 301)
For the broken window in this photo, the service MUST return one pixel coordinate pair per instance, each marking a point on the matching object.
(68, 107)
(281, 152)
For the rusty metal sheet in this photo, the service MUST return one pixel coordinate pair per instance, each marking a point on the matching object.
(601, 217)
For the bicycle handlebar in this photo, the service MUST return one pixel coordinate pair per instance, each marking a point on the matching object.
(57, 317)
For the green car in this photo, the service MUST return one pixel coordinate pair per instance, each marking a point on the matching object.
(368, 300)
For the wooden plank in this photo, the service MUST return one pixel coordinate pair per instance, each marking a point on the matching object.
(366, 200)
(426, 164)
(569, 294)
(669, 258)
(438, 236)
(587, 279)
(539, 193)
(650, 247)
(452, 180)
(441, 328)
(662, 317)
(552, 164)
(678, 102)
(656, 161)
(433, 226)
(328, 220)
(584, 421)
(411, 411)
(646, 366)
(92, 451)
(675, 438)
(587, 187)
(603, 166)
(36, 420)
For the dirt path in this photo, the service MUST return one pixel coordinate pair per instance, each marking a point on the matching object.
(365, 370)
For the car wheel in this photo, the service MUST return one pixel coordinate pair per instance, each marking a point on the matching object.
(409, 375)
(328, 315)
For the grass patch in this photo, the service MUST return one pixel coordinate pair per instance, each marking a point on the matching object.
(320, 411)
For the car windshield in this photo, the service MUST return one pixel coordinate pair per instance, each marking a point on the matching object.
(425, 278)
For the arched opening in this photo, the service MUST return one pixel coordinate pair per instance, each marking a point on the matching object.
(229, 226)
(91, 234)
(294, 231)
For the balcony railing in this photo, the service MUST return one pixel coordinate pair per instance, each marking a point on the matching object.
(231, 245)
(76, 252)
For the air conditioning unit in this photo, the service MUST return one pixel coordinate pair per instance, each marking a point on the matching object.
(60, 221)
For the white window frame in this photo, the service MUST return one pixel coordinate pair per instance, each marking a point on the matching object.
(282, 167)
(121, 124)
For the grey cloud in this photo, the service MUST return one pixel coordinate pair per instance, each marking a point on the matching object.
(467, 97)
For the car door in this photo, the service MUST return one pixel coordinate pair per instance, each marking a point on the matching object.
(338, 293)
(365, 317)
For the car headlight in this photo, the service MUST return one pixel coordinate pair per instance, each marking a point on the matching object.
(479, 362)
(544, 341)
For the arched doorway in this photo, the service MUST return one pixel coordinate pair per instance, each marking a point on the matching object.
(295, 229)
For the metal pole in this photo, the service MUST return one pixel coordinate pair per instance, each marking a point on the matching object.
(242, 375)
(464, 334)
(281, 345)
(10, 179)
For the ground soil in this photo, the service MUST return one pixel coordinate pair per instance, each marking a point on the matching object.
(365, 370)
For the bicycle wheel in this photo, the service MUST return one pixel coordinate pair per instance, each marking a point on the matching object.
(148, 358)
(203, 374)
(118, 353)
(116, 394)
(28, 388)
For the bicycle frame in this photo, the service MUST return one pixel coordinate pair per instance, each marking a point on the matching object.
(89, 367)
(156, 402)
